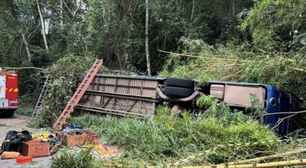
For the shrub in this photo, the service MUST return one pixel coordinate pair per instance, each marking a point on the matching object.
(167, 138)
(74, 158)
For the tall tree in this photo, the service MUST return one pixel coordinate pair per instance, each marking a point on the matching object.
(42, 22)
(18, 18)
(113, 29)
(147, 39)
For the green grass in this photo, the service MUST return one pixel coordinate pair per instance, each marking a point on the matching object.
(74, 158)
(25, 111)
(25, 105)
(166, 139)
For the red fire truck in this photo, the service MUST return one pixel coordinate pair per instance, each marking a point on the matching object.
(8, 92)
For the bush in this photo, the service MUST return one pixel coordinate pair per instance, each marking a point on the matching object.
(167, 138)
(64, 75)
(74, 158)
(25, 105)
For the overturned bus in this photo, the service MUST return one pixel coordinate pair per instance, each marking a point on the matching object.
(138, 96)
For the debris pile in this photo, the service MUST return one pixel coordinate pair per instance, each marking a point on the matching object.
(24, 146)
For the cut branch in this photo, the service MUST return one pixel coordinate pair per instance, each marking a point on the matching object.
(269, 157)
(12, 68)
(71, 13)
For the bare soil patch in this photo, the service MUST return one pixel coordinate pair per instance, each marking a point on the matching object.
(19, 123)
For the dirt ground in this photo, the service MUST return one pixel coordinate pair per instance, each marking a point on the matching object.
(19, 123)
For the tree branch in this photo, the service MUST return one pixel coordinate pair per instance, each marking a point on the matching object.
(26, 44)
(8, 68)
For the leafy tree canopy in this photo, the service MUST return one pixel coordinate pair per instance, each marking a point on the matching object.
(277, 25)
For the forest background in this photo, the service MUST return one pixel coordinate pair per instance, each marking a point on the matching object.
(260, 41)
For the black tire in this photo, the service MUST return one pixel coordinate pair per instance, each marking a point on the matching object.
(178, 82)
(178, 92)
(7, 113)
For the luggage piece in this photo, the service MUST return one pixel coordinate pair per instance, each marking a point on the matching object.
(10, 155)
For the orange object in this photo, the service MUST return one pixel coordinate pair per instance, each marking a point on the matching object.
(76, 140)
(77, 95)
(24, 159)
(10, 155)
(35, 148)
(95, 142)
(54, 149)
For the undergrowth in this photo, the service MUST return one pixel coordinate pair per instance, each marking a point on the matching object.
(63, 82)
(236, 63)
(25, 111)
(74, 158)
(60, 88)
(25, 106)
(166, 138)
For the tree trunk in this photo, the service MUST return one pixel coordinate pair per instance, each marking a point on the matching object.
(147, 39)
(42, 25)
(233, 17)
(61, 14)
(191, 19)
(25, 42)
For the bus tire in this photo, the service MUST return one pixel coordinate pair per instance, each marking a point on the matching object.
(178, 82)
(178, 92)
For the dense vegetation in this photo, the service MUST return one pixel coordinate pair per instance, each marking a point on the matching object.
(250, 37)
(165, 139)
(235, 40)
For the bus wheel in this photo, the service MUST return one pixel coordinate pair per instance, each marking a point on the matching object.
(178, 82)
(178, 92)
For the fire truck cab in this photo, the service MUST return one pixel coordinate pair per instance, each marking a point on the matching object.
(8, 92)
